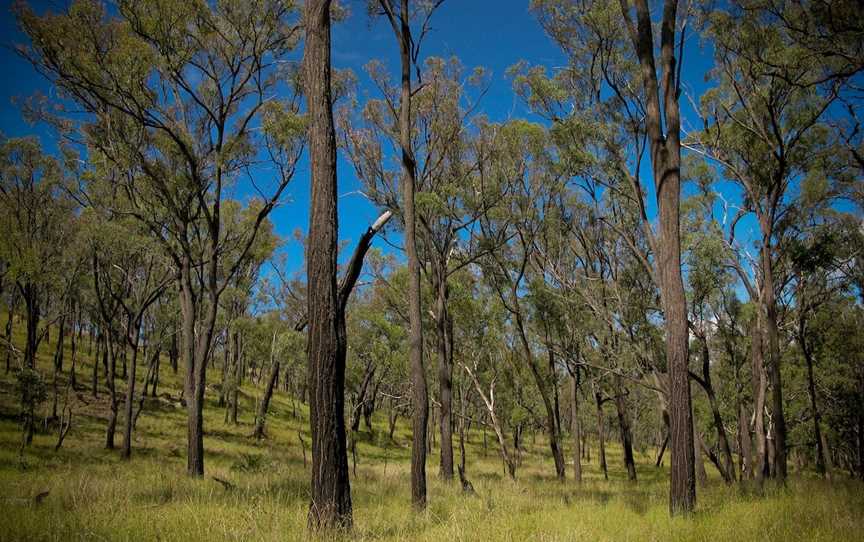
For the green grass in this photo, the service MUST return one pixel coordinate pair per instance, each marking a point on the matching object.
(96, 496)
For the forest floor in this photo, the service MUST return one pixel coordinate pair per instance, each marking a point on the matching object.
(93, 495)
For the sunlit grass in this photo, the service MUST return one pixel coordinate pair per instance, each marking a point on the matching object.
(93, 495)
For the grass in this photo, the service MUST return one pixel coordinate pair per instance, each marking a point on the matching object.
(96, 496)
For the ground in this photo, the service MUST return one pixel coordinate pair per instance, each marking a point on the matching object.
(93, 495)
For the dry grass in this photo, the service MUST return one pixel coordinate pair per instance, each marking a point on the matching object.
(95, 496)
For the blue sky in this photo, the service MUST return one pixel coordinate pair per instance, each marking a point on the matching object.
(494, 34)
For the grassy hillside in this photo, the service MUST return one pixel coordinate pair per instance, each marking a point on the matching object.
(93, 495)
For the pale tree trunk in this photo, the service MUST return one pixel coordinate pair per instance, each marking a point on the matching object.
(489, 401)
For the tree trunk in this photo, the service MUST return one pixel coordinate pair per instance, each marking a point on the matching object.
(760, 465)
(601, 434)
(10, 318)
(415, 332)
(443, 341)
(626, 435)
(576, 429)
(326, 343)
(811, 390)
(665, 147)
(130, 397)
(111, 428)
(542, 382)
(727, 469)
(31, 308)
(772, 335)
(236, 379)
(265, 401)
(744, 444)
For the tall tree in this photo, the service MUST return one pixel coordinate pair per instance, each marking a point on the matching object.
(325, 347)
(176, 91)
(399, 16)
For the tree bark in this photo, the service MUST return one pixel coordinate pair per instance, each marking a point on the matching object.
(130, 397)
(665, 161)
(760, 465)
(265, 401)
(415, 332)
(444, 344)
(727, 470)
(576, 429)
(811, 390)
(326, 343)
(601, 437)
(624, 425)
(778, 418)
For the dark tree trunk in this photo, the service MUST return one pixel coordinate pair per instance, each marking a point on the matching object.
(99, 340)
(415, 320)
(727, 469)
(811, 390)
(111, 428)
(543, 382)
(10, 318)
(601, 436)
(130, 396)
(444, 344)
(326, 343)
(265, 401)
(58, 364)
(31, 309)
(226, 370)
(626, 435)
(236, 378)
(76, 338)
(576, 429)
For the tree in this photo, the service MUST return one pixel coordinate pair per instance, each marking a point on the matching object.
(399, 18)
(331, 490)
(597, 45)
(174, 92)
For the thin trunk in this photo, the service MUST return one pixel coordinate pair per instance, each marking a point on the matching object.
(265, 401)
(811, 390)
(576, 430)
(415, 332)
(624, 425)
(701, 475)
(601, 437)
(744, 444)
(130, 395)
(10, 318)
(445, 371)
(728, 470)
(111, 428)
(542, 382)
